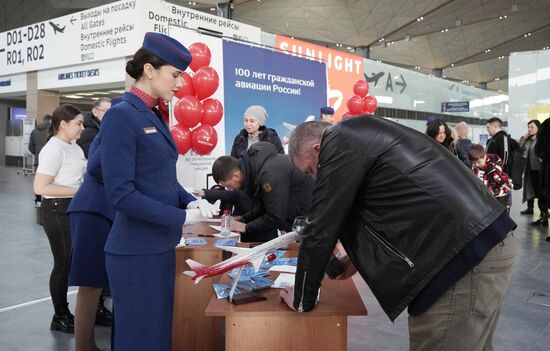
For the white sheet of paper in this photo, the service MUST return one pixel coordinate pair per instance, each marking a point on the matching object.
(181, 243)
(284, 280)
(221, 236)
(284, 268)
(219, 229)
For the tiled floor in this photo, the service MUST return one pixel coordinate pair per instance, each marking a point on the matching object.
(25, 262)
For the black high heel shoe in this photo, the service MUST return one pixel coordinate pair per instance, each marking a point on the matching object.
(103, 316)
(63, 323)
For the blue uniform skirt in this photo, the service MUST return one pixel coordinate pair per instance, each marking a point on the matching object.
(142, 287)
(89, 232)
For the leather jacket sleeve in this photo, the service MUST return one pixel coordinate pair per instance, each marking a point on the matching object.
(341, 172)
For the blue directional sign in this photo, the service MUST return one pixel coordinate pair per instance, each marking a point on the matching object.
(458, 106)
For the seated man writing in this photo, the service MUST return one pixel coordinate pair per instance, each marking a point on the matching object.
(279, 189)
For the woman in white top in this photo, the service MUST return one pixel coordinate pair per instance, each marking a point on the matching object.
(60, 172)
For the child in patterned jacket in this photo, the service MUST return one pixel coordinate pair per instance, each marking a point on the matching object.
(488, 168)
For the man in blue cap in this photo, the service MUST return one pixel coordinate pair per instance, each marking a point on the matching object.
(327, 114)
(138, 159)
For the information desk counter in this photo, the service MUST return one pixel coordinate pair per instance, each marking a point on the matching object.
(271, 325)
(191, 329)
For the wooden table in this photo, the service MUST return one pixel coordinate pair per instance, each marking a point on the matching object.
(271, 325)
(191, 329)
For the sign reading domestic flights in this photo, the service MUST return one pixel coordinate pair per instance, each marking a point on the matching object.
(343, 69)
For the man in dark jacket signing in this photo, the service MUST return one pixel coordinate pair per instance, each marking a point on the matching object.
(280, 191)
(422, 231)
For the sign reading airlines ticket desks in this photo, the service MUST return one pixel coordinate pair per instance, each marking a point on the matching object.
(343, 69)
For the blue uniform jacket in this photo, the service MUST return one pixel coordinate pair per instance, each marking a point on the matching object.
(91, 197)
(138, 158)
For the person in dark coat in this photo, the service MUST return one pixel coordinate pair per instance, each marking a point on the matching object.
(542, 150)
(280, 191)
(92, 121)
(495, 145)
(389, 194)
(255, 118)
(532, 174)
(39, 137)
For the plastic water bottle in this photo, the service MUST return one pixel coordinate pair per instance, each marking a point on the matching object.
(225, 224)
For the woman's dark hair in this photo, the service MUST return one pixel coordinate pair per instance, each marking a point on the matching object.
(134, 67)
(536, 122)
(65, 112)
(433, 129)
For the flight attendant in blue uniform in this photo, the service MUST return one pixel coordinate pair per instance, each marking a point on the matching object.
(138, 159)
(91, 217)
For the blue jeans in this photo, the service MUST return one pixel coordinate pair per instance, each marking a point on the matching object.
(465, 317)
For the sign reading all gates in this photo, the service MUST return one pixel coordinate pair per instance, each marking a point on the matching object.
(110, 31)
(459, 106)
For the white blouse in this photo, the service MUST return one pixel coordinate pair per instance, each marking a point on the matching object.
(63, 161)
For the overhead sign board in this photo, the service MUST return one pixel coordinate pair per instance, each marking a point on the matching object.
(14, 83)
(96, 34)
(111, 71)
(458, 106)
(110, 31)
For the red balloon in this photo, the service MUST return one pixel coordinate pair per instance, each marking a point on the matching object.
(204, 139)
(182, 138)
(187, 87)
(361, 88)
(370, 104)
(188, 111)
(206, 82)
(201, 56)
(212, 112)
(355, 105)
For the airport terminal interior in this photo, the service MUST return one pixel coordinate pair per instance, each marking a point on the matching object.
(412, 62)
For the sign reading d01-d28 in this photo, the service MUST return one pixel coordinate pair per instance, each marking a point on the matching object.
(37, 46)
(23, 44)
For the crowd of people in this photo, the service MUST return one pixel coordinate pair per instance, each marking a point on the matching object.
(420, 216)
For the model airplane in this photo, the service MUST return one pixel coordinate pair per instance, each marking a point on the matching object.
(244, 256)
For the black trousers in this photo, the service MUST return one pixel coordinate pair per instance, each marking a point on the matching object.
(537, 187)
(56, 226)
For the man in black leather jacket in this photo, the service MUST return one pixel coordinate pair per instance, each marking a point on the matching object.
(422, 231)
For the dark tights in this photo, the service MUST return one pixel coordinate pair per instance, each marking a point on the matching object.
(539, 194)
(56, 226)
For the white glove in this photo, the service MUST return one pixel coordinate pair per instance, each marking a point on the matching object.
(207, 210)
(193, 216)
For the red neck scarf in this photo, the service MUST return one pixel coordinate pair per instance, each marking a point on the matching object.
(152, 102)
